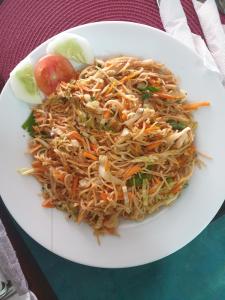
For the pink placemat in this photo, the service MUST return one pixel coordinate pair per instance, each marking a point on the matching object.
(24, 24)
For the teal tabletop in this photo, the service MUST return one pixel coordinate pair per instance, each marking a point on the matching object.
(196, 272)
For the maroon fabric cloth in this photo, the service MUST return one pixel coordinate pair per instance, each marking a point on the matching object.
(24, 24)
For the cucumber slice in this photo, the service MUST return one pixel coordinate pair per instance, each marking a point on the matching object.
(23, 83)
(73, 47)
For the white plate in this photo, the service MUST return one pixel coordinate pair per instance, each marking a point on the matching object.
(166, 231)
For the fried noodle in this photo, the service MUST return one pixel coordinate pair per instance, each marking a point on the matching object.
(117, 143)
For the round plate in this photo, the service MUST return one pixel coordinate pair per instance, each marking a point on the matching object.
(164, 232)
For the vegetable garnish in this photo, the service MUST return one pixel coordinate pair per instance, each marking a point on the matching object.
(176, 125)
(138, 179)
(148, 91)
(171, 97)
(131, 171)
(29, 123)
(169, 180)
(75, 135)
(73, 47)
(89, 155)
(47, 203)
(50, 70)
(194, 106)
(30, 80)
(146, 96)
(149, 88)
(153, 145)
(23, 83)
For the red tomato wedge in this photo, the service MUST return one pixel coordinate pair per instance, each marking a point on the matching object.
(50, 70)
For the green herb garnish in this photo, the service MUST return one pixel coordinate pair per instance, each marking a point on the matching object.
(29, 123)
(138, 179)
(176, 125)
(146, 96)
(147, 91)
(149, 88)
(169, 180)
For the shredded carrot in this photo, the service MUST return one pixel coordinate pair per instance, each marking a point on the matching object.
(75, 184)
(191, 150)
(100, 85)
(113, 124)
(99, 133)
(125, 78)
(103, 195)
(127, 104)
(76, 135)
(167, 96)
(89, 155)
(47, 203)
(36, 164)
(59, 175)
(136, 149)
(38, 120)
(121, 195)
(34, 149)
(154, 82)
(106, 114)
(94, 147)
(130, 195)
(131, 171)
(123, 117)
(176, 188)
(153, 145)
(110, 88)
(37, 115)
(204, 155)
(84, 88)
(157, 182)
(193, 106)
(182, 159)
(151, 129)
(39, 170)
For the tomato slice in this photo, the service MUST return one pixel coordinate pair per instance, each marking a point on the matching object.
(50, 70)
